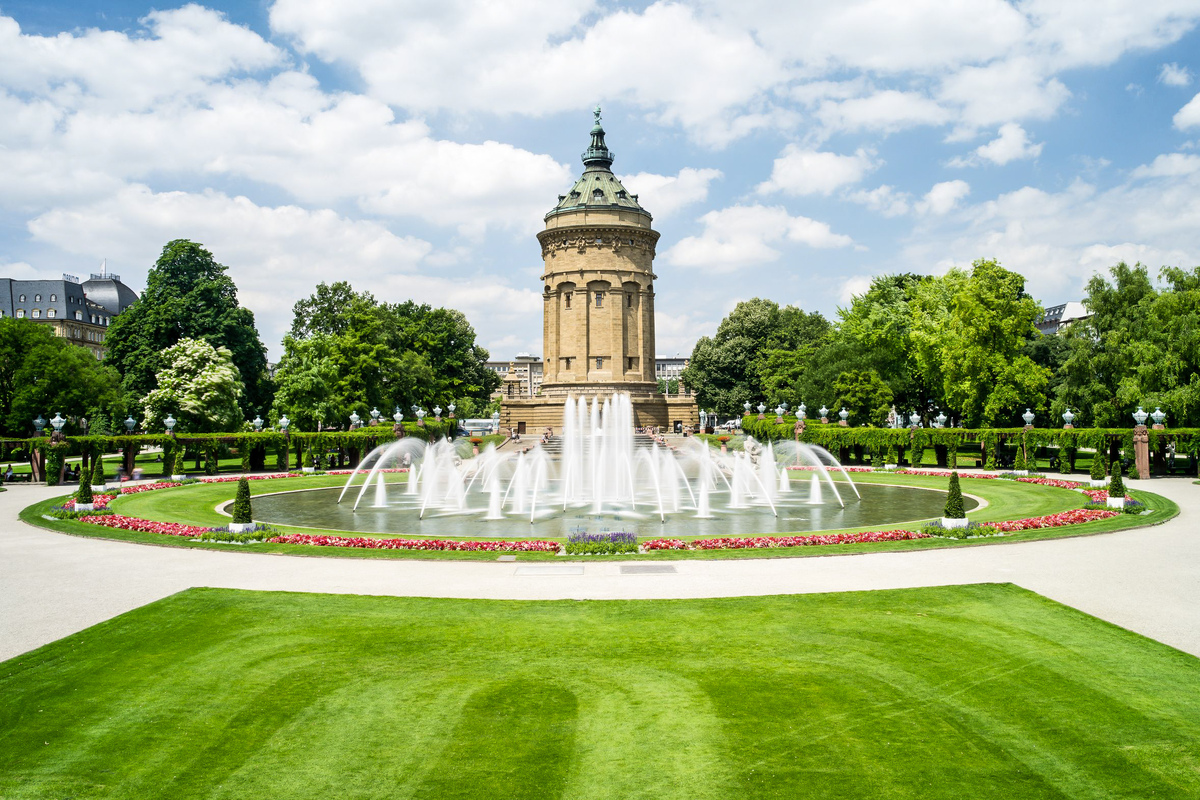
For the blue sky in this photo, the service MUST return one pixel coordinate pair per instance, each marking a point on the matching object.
(790, 151)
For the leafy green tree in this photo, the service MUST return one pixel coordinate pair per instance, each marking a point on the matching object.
(243, 512)
(188, 296)
(41, 373)
(878, 324)
(970, 334)
(954, 500)
(864, 395)
(759, 350)
(201, 387)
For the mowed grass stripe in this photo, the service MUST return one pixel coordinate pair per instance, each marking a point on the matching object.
(977, 691)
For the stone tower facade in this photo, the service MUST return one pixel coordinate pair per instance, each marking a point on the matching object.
(598, 249)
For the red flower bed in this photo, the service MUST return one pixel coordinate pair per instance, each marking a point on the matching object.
(757, 542)
(351, 472)
(234, 478)
(805, 468)
(1075, 517)
(942, 473)
(1055, 482)
(148, 487)
(98, 501)
(1100, 495)
(146, 526)
(369, 543)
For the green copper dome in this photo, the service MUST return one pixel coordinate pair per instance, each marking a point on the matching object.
(597, 188)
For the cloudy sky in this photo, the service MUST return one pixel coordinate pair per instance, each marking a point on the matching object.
(786, 149)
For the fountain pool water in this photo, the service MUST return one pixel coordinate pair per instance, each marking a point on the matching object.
(598, 475)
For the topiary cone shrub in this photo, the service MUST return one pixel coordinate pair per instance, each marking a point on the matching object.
(1116, 487)
(1098, 473)
(242, 513)
(1019, 459)
(83, 495)
(97, 477)
(954, 503)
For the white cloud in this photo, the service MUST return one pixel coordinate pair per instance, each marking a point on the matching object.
(1174, 75)
(1188, 116)
(664, 195)
(1017, 88)
(943, 197)
(803, 172)
(744, 236)
(885, 111)
(21, 271)
(1169, 165)
(528, 58)
(1011, 145)
(853, 287)
(886, 200)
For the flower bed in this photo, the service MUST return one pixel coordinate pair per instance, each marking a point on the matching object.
(758, 542)
(806, 468)
(447, 545)
(945, 473)
(146, 526)
(1101, 495)
(1074, 517)
(1057, 483)
(98, 501)
(149, 487)
(351, 472)
(236, 478)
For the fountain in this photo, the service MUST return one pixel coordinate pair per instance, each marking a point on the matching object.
(598, 471)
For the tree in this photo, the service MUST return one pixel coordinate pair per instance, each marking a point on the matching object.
(757, 345)
(969, 332)
(242, 512)
(864, 395)
(954, 500)
(41, 373)
(201, 386)
(878, 323)
(188, 296)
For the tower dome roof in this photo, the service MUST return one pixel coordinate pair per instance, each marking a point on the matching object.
(598, 187)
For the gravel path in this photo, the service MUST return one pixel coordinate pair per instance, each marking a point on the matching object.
(52, 585)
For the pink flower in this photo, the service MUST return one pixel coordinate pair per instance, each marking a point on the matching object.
(373, 543)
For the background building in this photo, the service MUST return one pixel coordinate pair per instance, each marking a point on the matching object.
(1056, 318)
(528, 368)
(78, 312)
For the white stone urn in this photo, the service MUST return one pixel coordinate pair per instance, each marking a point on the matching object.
(952, 523)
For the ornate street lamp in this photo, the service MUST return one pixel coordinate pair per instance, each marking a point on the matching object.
(1028, 417)
(1068, 417)
(58, 423)
(1158, 416)
(1139, 416)
(257, 422)
(130, 424)
(170, 423)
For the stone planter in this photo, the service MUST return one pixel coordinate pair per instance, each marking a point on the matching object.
(1100, 484)
(178, 478)
(308, 470)
(1021, 472)
(950, 523)
(85, 506)
(890, 466)
(1116, 502)
(99, 488)
(242, 527)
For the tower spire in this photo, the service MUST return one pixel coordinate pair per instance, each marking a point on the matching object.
(597, 156)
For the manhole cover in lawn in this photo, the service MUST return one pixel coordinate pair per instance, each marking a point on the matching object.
(555, 570)
(648, 569)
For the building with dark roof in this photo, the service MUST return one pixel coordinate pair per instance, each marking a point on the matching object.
(80, 313)
(1056, 318)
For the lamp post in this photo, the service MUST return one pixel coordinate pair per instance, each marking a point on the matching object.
(824, 412)
(1028, 417)
(1158, 416)
(495, 422)
(844, 415)
(1068, 418)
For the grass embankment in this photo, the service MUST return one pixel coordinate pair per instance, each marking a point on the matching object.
(982, 691)
(195, 505)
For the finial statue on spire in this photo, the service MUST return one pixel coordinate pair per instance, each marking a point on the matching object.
(596, 111)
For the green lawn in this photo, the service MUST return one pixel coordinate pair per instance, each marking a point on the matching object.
(983, 691)
(195, 505)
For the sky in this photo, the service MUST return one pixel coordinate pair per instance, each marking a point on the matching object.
(788, 150)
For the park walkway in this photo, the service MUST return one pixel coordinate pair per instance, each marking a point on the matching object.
(1148, 580)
